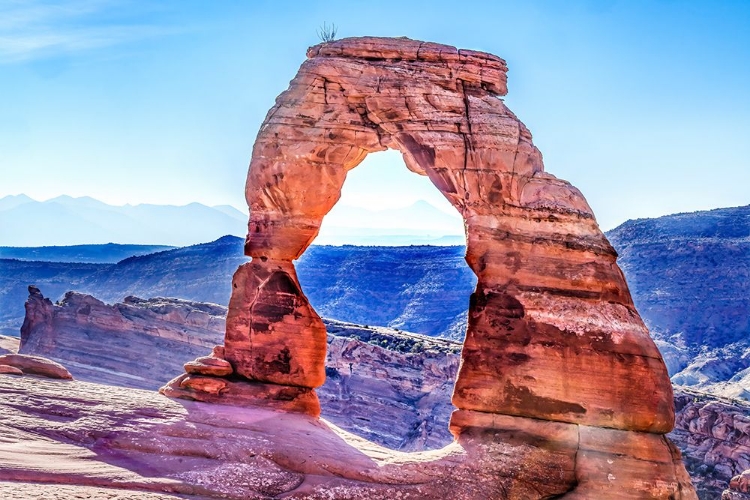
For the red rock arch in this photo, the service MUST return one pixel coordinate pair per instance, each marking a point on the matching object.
(553, 333)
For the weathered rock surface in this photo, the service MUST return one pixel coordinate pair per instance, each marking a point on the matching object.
(739, 487)
(390, 387)
(214, 365)
(11, 370)
(273, 334)
(35, 365)
(8, 345)
(92, 437)
(714, 436)
(137, 343)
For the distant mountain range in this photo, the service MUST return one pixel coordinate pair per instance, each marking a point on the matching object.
(64, 220)
(83, 221)
(110, 253)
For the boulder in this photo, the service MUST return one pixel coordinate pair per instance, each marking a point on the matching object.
(10, 370)
(35, 365)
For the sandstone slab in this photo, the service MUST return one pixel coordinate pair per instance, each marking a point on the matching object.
(241, 392)
(35, 365)
(209, 365)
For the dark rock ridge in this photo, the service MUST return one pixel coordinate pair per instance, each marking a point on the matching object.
(109, 253)
(419, 288)
(690, 278)
(391, 387)
(422, 289)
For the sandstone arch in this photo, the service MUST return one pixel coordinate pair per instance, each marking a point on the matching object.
(553, 333)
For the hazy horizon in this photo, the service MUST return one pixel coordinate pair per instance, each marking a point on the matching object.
(641, 105)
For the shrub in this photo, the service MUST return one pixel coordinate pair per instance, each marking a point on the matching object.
(327, 33)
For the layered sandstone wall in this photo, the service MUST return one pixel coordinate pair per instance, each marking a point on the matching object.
(390, 387)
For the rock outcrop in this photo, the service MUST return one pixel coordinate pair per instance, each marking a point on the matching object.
(554, 348)
(739, 488)
(135, 343)
(714, 436)
(392, 388)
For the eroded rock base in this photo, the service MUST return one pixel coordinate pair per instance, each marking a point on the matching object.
(90, 436)
(238, 392)
(606, 463)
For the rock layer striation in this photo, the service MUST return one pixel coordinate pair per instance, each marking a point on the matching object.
(390, 387)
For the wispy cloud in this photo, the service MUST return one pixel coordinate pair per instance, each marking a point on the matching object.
(37, 28)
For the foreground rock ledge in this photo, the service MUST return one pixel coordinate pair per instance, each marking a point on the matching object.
(93, 437)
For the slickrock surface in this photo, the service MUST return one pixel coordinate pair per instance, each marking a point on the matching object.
(390, 387)
(39, 491)
(88, 436)
(8, 345)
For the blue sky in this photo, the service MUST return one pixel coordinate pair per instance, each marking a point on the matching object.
(645, 106)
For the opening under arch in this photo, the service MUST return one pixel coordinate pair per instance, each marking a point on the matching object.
(389, 260)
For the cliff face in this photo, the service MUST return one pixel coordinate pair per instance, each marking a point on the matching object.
(135, 343)
(690, 278)
(391, 387)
